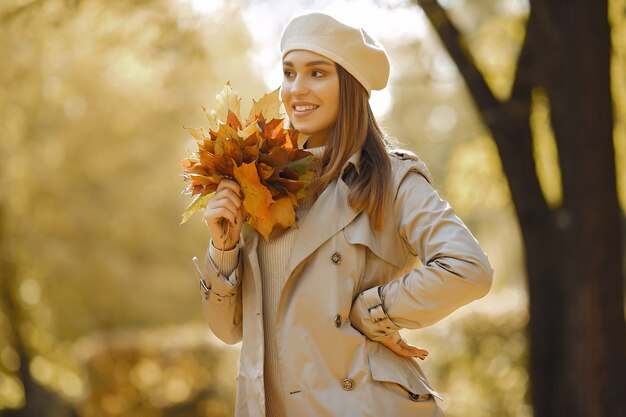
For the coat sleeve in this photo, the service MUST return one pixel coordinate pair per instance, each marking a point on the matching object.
(221, 293)
(455, 269)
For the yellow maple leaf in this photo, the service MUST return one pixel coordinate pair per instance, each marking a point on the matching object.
(226, 100)
(198, 133)
(249, 130)
(268, 106)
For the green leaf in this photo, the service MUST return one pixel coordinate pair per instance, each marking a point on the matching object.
(199, 202)
(301, 166)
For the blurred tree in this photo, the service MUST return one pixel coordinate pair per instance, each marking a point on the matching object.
(572, 243)
(93, 97)
(38, 400)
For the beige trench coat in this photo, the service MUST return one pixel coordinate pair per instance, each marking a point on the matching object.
(330, 312)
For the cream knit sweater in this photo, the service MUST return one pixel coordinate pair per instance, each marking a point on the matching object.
(273, 257)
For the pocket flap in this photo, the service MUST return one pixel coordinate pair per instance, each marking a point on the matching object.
(402, 371)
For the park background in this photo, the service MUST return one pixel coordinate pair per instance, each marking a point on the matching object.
(100, 308)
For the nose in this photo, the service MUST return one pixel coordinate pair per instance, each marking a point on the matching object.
(298, 86)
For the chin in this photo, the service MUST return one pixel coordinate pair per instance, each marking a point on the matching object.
(300, 128)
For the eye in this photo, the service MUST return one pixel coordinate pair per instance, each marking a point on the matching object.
(321, 74)
(287, 73)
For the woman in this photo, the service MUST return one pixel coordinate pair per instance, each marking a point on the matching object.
(318, 308)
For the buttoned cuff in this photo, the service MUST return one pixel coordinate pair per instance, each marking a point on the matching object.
(214, 282)
(229, 262)
(368, 315)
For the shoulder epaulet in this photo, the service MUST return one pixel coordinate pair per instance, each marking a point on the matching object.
(404, 154)
(417, 165)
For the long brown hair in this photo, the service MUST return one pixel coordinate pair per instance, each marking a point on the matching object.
(356, 127)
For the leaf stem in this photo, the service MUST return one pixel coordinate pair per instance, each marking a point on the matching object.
(225, 242)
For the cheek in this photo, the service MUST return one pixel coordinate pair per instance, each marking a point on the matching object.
(284, 97)
(332, 97)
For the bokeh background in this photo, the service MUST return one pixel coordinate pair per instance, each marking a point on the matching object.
(100, 309)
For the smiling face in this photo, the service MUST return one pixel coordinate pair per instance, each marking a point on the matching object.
(310, 93)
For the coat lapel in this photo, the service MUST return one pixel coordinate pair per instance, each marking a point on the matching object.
(329, 214)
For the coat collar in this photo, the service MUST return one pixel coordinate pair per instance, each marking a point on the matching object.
(354, 159)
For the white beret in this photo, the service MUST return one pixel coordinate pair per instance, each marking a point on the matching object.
(352, 48)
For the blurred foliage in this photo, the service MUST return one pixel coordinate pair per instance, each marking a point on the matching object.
(173, 371)
(93, 105)
(617, 18)
(93, 97)
(479, 363)
(96, 99)
(545, 149)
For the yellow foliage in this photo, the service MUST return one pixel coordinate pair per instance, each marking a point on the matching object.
(544, 149)
(474, 180)
(617, 19)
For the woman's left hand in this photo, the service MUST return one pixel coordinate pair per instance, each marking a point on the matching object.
(400, 347)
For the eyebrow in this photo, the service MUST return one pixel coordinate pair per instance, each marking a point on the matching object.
(309, 64)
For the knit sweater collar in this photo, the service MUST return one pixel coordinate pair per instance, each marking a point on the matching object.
(354, 159)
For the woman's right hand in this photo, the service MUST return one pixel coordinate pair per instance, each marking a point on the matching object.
(224, 207)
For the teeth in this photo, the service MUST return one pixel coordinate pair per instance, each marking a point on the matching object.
(303, 108)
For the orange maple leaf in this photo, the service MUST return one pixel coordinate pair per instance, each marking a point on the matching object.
(281, 212)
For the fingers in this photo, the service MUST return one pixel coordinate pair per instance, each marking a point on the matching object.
(230, 195)
(402, 348)
(225, 183)
(412, 350)
(212, 215)
(226, 202)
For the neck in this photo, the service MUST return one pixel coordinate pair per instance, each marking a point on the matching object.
(315, 141)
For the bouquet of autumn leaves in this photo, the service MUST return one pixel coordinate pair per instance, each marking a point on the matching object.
(258, 153)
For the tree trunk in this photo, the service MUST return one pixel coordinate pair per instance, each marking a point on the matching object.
(573, 253)
(588, 368)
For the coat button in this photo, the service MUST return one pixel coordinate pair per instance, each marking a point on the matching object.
(337, 320)
(419, 397)
(347, 384)
(336, 258)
